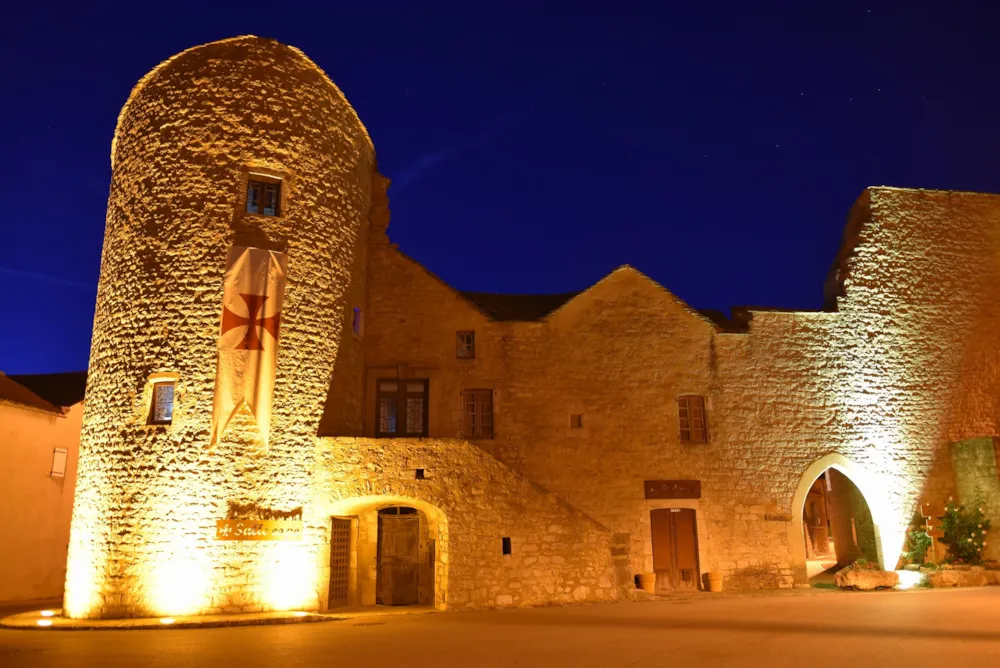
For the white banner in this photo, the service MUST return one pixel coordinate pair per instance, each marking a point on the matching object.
(252, 297)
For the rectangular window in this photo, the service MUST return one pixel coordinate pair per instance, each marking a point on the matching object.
(478, 413)
(401, 408)
(263, 195)
(505, 545)
(59, 456)
(576, 422)
(466, 345)
(162, 410)
(691, 412)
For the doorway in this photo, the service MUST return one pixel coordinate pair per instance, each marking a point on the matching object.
(398, 557)
(837, 527)
(675, 548)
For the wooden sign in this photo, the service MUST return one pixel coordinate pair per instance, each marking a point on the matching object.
(673, 489)
(258, 530)
(778, 517)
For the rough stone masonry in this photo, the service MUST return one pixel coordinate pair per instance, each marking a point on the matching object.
(548, 504)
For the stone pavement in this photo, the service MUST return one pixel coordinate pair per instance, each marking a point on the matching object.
(925, 628)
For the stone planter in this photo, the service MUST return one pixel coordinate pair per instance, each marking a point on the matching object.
(714, 581)
(647, 582)
(854, 578)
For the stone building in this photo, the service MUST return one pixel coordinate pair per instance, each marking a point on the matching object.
(473, 450)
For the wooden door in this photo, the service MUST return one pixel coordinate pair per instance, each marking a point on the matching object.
(398, 559)
(340, 561)
(675, 548)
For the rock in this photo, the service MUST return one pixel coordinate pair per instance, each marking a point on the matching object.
(853, 578)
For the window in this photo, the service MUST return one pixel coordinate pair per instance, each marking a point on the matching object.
(478, 413)
(505, 544)
(263, 195)
(420, 474)
(466, 345)
(691, 411)
(576, 422)
(59, 456)
(357, 322)
(162, 410)
(402, 408)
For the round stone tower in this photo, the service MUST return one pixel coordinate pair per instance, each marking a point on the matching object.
(196, 135)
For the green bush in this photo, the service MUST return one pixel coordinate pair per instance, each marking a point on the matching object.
(917, 544)
(964, 532)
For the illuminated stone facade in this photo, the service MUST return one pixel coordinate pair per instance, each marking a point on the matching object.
(584, 387)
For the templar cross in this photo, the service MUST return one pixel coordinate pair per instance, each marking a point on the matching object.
(251, 341)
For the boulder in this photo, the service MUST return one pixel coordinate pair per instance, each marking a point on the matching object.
(855, 578)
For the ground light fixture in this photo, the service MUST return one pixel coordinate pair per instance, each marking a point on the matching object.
(299, 613)
(48, 613)
(167, 620)
(44, 622)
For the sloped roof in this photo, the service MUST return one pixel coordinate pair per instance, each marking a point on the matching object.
(517, 308)
(14, 393)
(57, 389)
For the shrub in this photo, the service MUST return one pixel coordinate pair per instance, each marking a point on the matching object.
(862, 564)
(917, 544)
(964, 532)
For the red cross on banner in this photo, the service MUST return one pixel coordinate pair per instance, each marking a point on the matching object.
(253, 293)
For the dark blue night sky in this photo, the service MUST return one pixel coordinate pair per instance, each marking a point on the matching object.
(716, 147)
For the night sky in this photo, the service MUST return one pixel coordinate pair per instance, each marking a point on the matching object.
(717, 148)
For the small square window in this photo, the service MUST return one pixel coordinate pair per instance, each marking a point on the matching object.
(420, 474)
(59, 456)
(357, 321)
(263, 196)
(162, 410)
(506, 545)
(576, 421)
(466, 345)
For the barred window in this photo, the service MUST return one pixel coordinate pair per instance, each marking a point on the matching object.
(478, 413)
(466, 342)
(401, 408)
(691, 412)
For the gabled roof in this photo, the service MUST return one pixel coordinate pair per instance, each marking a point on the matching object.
(517, 308)
(15, 394)
(57, 389)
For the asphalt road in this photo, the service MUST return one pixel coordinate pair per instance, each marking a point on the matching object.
(916, 628)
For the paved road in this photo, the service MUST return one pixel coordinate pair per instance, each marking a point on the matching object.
(909, 629)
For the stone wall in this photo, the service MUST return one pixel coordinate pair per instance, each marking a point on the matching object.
(558, 554)
(976, 481)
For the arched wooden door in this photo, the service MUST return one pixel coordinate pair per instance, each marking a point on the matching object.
(675, 548)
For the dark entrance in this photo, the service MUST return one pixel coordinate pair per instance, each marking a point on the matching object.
(398, 572)
(675, 548)
(340, 561)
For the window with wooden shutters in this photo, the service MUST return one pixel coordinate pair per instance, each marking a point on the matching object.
(691, 414)
(478, 413)
(263, 195)
(401, 407)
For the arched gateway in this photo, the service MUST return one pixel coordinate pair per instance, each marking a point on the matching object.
(886, 545)
(387, 550)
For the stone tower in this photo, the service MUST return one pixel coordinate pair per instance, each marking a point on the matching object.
(193, 132)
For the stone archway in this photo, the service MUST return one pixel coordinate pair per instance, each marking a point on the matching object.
(874, 495)
(364, 514)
